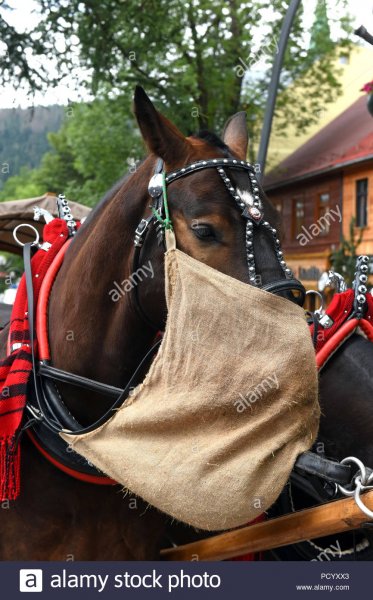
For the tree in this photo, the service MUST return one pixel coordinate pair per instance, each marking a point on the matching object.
(344, 259)
(95, 146)
(15, 49)
(198, 59)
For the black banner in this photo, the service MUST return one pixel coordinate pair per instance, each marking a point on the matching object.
(215, 580)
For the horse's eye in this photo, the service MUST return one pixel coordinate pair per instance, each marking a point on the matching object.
(203, 231)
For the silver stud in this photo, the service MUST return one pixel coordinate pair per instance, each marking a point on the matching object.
(251, 269)
(362, 289)
(225, 160)
(249, 243)
(250, 256)
(363, 278)
(361, 299)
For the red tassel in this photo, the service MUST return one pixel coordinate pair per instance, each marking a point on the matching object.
(10, 457)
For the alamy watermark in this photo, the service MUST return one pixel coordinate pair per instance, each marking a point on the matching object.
(321, 225)
(269, 47)
(256, 393)
(120, 289)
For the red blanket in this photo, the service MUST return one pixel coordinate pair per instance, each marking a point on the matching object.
(16, 368)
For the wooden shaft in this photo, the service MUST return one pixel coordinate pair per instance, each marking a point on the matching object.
(328, 519)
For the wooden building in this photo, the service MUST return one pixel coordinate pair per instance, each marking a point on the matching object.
(320, 187)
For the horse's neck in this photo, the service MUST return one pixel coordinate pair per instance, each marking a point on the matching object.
(90, 334)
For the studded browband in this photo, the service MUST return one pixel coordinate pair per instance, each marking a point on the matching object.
(249, 203)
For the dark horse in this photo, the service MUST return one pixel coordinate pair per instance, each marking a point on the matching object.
(60, 518)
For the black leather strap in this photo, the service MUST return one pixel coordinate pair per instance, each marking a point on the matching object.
(311, 463)
(287, 285)
(49, 372)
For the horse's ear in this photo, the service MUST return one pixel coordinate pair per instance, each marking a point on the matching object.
(160, 135)
(235, 134)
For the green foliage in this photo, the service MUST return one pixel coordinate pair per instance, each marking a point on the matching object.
(23, 137)
(94, 147)
(23, 185)
(15, 51)
(343, 260)
(200, 61)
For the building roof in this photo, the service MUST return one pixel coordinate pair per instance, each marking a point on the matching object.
(352, 73)
(346, 140)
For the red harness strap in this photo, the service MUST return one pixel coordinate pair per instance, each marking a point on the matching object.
(329, 340)
(76, 474)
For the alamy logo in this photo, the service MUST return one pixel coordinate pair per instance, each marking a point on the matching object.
(30, 580)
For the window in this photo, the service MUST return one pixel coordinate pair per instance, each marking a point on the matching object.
(298, 217)
(322, 210)
(361, 202)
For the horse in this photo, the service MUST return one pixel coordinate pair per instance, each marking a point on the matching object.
(57, 517)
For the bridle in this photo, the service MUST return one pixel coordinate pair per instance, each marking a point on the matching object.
(251, 209)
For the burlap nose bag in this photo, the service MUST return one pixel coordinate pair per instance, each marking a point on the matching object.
(211, 435)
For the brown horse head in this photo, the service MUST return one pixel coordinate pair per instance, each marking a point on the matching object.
(119, 288)
(207, 222)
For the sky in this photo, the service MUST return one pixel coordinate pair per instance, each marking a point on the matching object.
(24, 17)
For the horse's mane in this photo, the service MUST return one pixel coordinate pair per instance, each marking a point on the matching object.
(212, 139)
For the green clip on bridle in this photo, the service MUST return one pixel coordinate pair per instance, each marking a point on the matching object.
(166, 221)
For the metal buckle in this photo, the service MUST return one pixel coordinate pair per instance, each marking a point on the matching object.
(140, 230)
(35, 412)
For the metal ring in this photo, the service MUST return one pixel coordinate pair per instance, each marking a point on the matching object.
(360, 503)
(363, 475)
(320, 297)
(35, 243)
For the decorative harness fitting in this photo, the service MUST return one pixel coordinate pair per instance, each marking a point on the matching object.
(251, 210)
